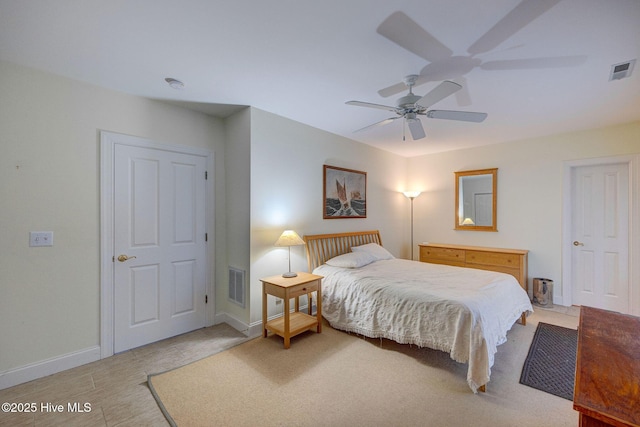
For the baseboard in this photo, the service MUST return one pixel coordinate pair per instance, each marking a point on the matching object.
(47, 367)
(233, 322)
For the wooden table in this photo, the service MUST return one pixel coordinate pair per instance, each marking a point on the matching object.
(291, 324)
(607, 386)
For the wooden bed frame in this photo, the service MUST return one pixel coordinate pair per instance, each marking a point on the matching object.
(322, 247)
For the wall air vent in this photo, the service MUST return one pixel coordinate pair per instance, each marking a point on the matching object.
(622, 70)
(236, 286)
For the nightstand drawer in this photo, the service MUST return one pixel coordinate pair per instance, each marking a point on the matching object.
(303, 289)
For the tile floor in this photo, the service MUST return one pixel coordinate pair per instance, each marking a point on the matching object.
(116, 387)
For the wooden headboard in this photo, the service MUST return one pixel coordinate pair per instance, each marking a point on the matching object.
(322, 247)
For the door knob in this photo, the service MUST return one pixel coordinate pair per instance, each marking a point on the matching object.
(123, 258)
(576, 243)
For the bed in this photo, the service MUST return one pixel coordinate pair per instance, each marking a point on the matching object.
(462, 311)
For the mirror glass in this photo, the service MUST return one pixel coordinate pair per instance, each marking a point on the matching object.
(476, 200)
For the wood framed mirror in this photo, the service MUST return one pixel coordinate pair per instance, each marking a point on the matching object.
(476, 200)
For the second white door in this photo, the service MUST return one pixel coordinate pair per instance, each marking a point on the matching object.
(600, 236)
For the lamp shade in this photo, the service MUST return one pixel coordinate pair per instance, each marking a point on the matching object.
(411, 194)
(468, 221)
(289, 238)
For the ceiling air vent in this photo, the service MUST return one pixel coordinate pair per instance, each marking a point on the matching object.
(622, 70)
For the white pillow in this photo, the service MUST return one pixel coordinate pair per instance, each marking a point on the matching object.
(377, 251)
(351, 260)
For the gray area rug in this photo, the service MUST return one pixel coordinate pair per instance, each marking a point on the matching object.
(551, 363)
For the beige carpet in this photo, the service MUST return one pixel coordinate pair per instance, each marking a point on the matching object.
(338, 379)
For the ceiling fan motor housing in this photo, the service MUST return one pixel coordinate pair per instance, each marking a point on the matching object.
(408, 101)
(407, 104)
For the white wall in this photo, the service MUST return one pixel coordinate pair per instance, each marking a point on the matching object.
(49, 181)
(530, 179)
(235, 252)
(287, 161)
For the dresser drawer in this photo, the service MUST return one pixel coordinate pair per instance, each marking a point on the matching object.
(493, 258)
(441, 255)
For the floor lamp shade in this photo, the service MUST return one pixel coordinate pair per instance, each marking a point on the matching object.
(289, 238)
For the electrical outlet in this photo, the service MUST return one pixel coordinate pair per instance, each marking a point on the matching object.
(40, 238)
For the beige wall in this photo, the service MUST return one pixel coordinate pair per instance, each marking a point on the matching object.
(49, 181)
(287, 161)
(530, 192)
(235, 252)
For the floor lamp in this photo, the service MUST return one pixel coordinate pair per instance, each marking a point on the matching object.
(411, 195)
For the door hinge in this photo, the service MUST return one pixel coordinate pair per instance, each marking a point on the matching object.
(206, 175)
(113, 258)
(206, 299)
(206, 237)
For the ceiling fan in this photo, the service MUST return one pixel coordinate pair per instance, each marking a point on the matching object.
(410, 106)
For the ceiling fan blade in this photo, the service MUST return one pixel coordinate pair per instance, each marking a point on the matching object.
(416, 129)
(444, 89)
(370, 105)
(380, 123)
(465, 116)
(392, 90)
(518, 18)
(406, 33)
(535, 63)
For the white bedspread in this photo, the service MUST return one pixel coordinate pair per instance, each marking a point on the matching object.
(463, 311)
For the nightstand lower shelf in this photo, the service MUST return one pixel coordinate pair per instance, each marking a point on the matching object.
(298, 322)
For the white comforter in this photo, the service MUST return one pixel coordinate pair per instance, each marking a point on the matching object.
(463, 311)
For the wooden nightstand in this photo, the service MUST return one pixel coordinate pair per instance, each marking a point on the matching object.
(291, 324)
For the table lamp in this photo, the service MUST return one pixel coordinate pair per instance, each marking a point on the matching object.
(289, 238)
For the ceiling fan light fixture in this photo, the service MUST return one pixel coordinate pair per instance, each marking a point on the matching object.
(174, 83)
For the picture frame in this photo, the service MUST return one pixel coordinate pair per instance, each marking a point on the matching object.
(344, 193)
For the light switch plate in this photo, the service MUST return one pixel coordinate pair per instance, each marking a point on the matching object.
(40, 238)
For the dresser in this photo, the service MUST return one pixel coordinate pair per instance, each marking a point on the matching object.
(607, 385)
(510, 261)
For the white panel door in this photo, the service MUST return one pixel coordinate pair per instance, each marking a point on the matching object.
(159, 241)
(600, 232)
(483, 203)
